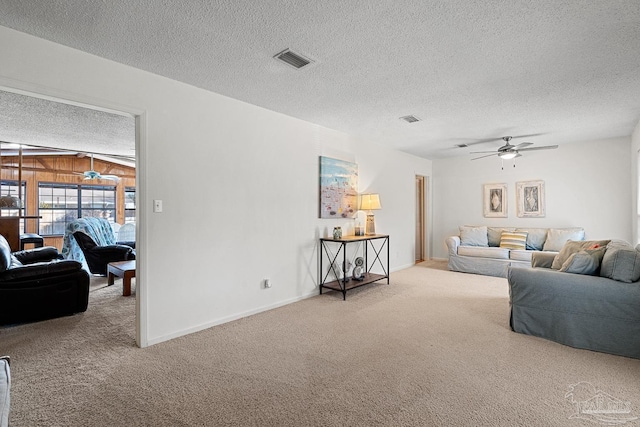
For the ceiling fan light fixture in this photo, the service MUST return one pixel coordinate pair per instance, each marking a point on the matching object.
(508, 155)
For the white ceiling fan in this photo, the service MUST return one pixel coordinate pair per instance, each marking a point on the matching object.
(510, 151)
(92, 174)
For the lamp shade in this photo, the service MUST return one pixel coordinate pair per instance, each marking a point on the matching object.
(370, 202)
(10, 202)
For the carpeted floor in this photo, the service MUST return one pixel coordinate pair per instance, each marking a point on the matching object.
(432, 348)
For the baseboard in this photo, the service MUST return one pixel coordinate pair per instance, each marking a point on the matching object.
(231, 318)
(247, 313)
(402, 267)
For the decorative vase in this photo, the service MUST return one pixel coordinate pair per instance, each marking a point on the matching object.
(337, 233)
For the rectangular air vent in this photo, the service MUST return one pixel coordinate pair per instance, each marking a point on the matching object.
(294, 59)
(410, 119)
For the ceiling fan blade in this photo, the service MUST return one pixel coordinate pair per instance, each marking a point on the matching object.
(544, 147)
(488, 155)
(110, 177)
(483, 152)
(476, 142)
(531, 135)
(523, 144)
(67, 150)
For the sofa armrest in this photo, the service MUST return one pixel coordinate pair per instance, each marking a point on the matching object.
(30, 256)
(5, 390)
(452, 243)
(40, 269)
(121, 252)
(132, 245)
(542, 259)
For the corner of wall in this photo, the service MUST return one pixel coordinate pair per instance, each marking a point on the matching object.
(635, 178)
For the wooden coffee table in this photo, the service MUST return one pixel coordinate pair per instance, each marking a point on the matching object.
(124, 269)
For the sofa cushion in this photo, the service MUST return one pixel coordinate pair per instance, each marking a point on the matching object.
(571, 247)
(482, 252)
(621, 263)
(513, 240)
(520, 255)
(535, 237)
(473, 236)
(542, 259)
(495, 233)
(584, 262)
(557, 237)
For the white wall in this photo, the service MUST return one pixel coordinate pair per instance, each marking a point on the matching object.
(239, 185)
(586, 183)
(635, 181)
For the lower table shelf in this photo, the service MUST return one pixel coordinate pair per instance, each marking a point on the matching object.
(340, 285)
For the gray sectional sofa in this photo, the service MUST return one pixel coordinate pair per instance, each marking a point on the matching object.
(5, 389)
(596, 307)
(476, 249)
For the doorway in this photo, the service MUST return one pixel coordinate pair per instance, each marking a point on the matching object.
(421, 228)
(71, 134)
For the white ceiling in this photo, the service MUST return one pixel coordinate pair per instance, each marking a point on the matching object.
(562, 70)
(45, 123)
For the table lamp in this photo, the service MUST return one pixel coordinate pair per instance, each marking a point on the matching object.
(370, 202)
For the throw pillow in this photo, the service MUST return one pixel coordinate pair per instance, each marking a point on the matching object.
(535, 238)
(514, 240)
(584, 262)
(571, 247)
(621, 264)
(473, 236)
(556, 237)
(495, 234)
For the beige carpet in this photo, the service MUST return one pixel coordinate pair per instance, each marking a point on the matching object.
(432, 348)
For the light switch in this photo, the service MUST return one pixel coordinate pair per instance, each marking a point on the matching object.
(157, 205)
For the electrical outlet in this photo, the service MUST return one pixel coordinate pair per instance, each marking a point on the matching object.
(267, 283)
(157, 206)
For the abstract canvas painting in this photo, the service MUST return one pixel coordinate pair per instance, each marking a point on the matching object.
(338, 188)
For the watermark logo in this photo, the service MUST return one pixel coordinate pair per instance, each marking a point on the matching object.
(597, 406)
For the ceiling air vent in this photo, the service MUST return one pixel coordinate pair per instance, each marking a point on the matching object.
(410, 119)
(293, 59)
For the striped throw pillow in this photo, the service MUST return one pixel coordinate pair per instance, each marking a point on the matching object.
(513, 240)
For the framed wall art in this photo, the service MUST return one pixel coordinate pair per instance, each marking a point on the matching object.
(495, 200)
(530, 199)
(338, 188)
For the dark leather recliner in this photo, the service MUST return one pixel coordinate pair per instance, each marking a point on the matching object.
(35, 284)
(99, 256)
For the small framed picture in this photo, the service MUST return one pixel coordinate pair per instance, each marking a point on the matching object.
(495, 200)
(530, 199)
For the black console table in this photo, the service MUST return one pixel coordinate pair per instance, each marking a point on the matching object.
(376, 243)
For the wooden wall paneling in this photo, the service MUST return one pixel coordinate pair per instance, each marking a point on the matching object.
(66, 170)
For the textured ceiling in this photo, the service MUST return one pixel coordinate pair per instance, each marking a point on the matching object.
(565, 71)
(43, 123)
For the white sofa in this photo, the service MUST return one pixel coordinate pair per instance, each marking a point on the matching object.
(471, 252)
